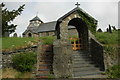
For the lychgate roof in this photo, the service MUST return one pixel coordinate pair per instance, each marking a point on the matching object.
(75, 10)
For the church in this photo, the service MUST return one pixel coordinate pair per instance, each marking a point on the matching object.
(37, 28)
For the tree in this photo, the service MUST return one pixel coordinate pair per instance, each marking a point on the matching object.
(8, 17)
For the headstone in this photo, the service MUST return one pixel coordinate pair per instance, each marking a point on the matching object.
(107, 30)
(110, 30)
(113, 27)
(15, 35)
(99, 30)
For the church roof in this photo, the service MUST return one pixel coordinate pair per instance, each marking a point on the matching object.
(30, 29)
(44, 27)
(36, 18)
(76, 9)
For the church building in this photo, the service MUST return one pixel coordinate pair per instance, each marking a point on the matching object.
(37, 28)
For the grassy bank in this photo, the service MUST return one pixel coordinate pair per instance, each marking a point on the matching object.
(107, 38)
(13, 73)
(110, 44)
(10, 43)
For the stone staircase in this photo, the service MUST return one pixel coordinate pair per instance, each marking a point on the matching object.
(45, 64)
(83, 67)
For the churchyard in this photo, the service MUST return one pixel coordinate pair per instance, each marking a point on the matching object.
(110, 46)
(70, 47)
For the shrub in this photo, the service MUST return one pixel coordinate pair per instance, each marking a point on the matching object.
(24, 61)
(114, 72)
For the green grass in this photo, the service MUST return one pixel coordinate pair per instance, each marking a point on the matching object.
(107, 38)
(114, 71)
(47, 39)
(14, 42)
(11, 43)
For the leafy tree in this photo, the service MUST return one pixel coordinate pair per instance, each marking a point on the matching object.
(8, 17)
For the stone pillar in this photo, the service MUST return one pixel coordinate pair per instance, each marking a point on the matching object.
(62, 62)
(63, 31)
(39, 52)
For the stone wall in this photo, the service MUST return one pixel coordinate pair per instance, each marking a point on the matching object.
(62, 61)
(111, 57)
(7, 56)
(72, 32)
(101, 56)
(50, 33)
(96, 51)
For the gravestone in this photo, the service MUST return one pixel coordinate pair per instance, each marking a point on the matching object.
(15, 35)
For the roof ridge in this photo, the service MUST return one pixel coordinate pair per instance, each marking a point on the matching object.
(73, 10)
(36, 18)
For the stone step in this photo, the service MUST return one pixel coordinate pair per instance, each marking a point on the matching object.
(79, 59)
(83, 65)
(93, 76)
(42, 76)
(82, 62)
(46, 60)
(85, 73)
(45, 64)
(81, 56)
(87, 68)
(46, 57)
(43, 69)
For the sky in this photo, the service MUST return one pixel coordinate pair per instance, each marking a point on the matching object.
(105, 11)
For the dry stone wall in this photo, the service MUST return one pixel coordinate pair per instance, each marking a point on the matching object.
(7, 56)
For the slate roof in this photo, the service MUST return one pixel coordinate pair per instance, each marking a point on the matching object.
(36, 18)
(74, 10)
(50, 26)
(44, 27)
(31, 29)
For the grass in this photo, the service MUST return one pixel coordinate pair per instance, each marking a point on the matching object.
(12, 73)
(110, 43)
(114, 71)
(107, 38)
(47, 39)
(11, 43)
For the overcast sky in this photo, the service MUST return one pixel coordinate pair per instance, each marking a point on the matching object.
(105, 11)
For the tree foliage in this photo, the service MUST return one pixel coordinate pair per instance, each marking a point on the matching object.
(8, 17)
